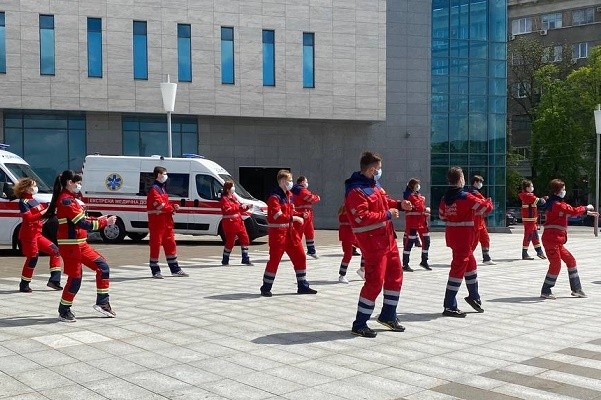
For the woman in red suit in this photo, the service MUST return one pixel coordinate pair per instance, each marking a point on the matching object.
(30, 236)
(232, 223)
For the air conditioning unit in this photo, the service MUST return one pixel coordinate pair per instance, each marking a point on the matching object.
(543, 32)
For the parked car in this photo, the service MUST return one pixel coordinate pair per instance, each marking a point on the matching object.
(590, 221)
(509, 218)
(577, 220)
(516, 212)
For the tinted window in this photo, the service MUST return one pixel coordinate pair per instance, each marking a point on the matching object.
(208, 187)
(177, 184)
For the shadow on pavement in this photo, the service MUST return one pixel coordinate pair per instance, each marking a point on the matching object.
(132, 278)
(26, 321)
(291, 338)
(531, 299)
(596, 282)
(235, 296)
(322, 282)
(498, 260)
(419, 317)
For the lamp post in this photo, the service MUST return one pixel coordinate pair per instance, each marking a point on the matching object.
(168, 91)
(598, 130)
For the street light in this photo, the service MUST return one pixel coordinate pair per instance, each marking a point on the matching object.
(598, 130)
(168, 90)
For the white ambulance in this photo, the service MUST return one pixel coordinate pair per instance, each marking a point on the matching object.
(13, 168)
(118, 185)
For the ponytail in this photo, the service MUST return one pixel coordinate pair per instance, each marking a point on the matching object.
(59, 184)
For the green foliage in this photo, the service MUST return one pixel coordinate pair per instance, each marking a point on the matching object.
(514, 178)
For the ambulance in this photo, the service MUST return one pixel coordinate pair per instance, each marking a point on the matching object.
(13, 168)
(118, 185)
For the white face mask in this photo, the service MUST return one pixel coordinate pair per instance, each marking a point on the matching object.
(233, 189)
(289, 185)
(306, 184)
(417, 188)
(562, 194)
(77, 188)
(34, 190)
(478, 185)
(163, 178)
(530, 189)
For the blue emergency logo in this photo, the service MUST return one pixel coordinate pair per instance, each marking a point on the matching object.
(113, 182)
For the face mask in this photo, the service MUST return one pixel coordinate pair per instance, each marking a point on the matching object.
(530, 189)
(289, 185)
(163, 178)
(34, 190)
(562, 194)
(417, 188)
(77, 188)
(306, 184)
(478, 185)
(233, 189)
(378, 174)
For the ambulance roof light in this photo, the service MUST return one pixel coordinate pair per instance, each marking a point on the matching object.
(4, 146)
(192, 155)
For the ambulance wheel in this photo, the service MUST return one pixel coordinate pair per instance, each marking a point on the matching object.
(137, 236)
(113, 233)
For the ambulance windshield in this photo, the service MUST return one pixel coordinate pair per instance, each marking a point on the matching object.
(240, 191)
(24, 171)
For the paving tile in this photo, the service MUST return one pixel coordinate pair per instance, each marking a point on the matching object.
(156, 382)
(13, 387)
(50, 358)
(73, 392)
(468, 392)
(236, 390)
(119, 389)
(15, 364)
(39, 379)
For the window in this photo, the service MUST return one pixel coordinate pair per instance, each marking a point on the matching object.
(184, 53)
(227, 56)
(268, 58)
(557, 53)
(177, 184)
(208, 187)
(46, 44)
(145, 136)
(94, 47)
(585, 16)
(2, 44)
(580, 50)
(308, 60)
(521, 25)
(551, 21)
(520, 90)
(140, 50)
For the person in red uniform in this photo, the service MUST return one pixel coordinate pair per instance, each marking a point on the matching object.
(303, 201)
(459, 209)
(370, 214)
(31, 238)
(416, 225)
(555, 236)
(73, 227)
(530, 205)
(284, 228)
(160, 225)
(481, 233)
(232, 223)
(348, 243)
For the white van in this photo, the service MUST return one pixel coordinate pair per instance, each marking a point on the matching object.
(13, 168)
(117, 185)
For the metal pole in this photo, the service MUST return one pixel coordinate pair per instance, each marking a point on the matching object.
(169, 141)
(596, 219)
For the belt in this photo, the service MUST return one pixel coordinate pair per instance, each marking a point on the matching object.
(558, 227)
(463, 223)
(368, 228)
(278, 225)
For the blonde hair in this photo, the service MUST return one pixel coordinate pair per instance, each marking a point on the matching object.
(284, 173)
(22, 185)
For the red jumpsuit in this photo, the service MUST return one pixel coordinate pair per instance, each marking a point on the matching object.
(303, 202)
(555, 236)
(73, 227)
(481, 233)
(32, 242)
(284, 237)
(416, 223)
(347, 239)
(530, 221)
(458, 210)
(368, 207)
(160, 228)
(233, 227)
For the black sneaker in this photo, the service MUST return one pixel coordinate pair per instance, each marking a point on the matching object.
(453, 313)
(54, 285)
(527, 256)
(266, 293)
(25, 288)
(476, 304)
(105, 309)
(364, 332)
(247, 262)
(407, 268)
(394, 326)
(66, 316)
(542, 256)
(307, 290)
(355, 252)
(425, 265)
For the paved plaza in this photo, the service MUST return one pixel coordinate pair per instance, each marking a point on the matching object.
(211, 336)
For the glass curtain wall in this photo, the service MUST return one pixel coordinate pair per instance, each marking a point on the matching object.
(469, 85)
(147, 135)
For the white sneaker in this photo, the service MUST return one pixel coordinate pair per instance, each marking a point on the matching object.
(549, 296)
(361, 273)
(489, 262)
(342, 279)
(313, 255)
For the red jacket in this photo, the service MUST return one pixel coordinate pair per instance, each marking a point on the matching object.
(303, 199)
(459, 209)
(73, 224)
(32, 218)
(232, 210)
(280, 211)
(159, 209)
(479, 221)
(417, 217)
(557, 212)
(345, 233)
(530, 206)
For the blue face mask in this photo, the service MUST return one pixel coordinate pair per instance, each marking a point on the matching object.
(378, 174)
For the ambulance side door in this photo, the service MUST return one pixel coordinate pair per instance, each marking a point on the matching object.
(9, 209)
(177, 188)
(206, 214)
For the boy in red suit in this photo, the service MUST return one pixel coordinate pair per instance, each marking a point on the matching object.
(348, 243)
(232, 224)
(303, 202)
(530, 205)
(416, 224)
(481, 233)
(160, 225)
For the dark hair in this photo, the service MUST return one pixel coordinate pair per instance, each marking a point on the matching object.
(556, 185)
(412, 182)
(59, 184)
(368, 159)
(526, 183)
(454, 175)
(477, 178)
(227, 186)
(300, 179)
(158, 170)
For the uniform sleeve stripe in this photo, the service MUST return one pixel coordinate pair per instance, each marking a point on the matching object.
(78, 217)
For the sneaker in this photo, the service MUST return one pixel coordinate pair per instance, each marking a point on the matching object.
(476, 304)
(105, 309)
(158, 275)
(578, 293)
(364, 332)
(25, 288)
(180, 273)
(342, 279)
(549, 296)
(394, 326)
(247, 262)
(355, 252)
(306, 290)
(453, 313)
(407, 268)
(542, 256)
(314, 255)
(67, 316)
(54, 285)
(224, 263)
(527, 257)
(489, 262)
(425, 265)
(361, 273)
(266, 293)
